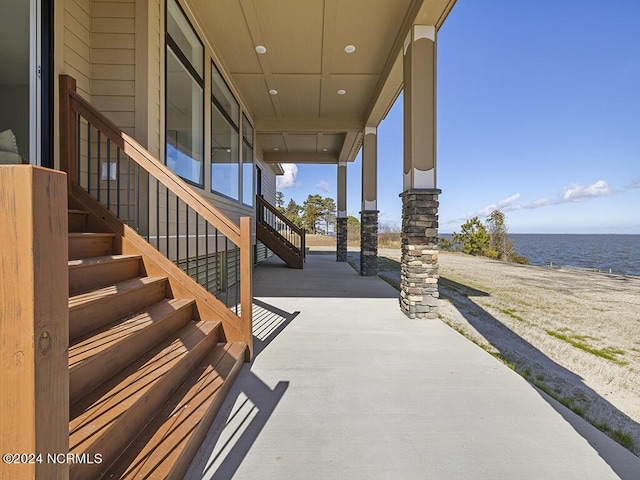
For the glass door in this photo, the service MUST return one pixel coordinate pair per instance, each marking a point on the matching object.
(25, 82)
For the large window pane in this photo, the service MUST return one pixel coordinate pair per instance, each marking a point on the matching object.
(223, 95)
(224, 156)
(247, 130)
(247, 174)
(184, 36)
(185, 137)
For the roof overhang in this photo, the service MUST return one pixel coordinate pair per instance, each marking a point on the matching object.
(325, 96)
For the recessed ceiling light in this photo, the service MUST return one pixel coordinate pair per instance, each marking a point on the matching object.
(350, 48)
(341, 92)
(273, 92)
(325, 149)
(228, 150)
(261, 49)
(275, 149)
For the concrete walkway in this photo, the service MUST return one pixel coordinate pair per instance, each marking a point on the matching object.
(344, 386)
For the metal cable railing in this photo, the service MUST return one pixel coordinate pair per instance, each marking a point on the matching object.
(144, 194)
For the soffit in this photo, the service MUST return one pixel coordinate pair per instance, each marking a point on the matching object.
(307, 64)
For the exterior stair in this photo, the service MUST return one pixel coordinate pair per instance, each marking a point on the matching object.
(147, 374)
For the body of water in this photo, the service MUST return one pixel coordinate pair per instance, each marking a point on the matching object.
(620, 253)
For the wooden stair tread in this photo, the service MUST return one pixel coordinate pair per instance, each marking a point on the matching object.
(167, 445)
(78, 212)
(103, 421)
(92, 261)
(93, 343)
(99, 355)
(77, 301)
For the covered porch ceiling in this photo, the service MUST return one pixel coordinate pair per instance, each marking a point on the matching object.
(325, 95)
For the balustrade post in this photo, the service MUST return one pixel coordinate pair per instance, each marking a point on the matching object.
(68, 130)
(34, 362)
(246, 287)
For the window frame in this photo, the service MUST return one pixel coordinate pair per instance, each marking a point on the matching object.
(170, 43)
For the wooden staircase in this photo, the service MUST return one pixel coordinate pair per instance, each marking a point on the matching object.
(279, 234)
(147, 371)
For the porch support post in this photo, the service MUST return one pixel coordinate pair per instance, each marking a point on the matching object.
(341, 220)
(369, 213)
(34, 308)
(419, 263)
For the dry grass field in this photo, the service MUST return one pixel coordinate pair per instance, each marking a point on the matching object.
(385, 240)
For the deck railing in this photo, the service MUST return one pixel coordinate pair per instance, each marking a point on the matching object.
(281, 227)
(122, 175)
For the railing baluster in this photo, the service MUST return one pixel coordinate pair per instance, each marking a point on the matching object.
(88, 156)
(108, 173)
(226, 269)
(137, 197)
(118, 179)
(78, 148)
(198, 248)
(129, 191)
(187, 232)
(166, 225)
(98, 173)
(177, 229)
(206, 253)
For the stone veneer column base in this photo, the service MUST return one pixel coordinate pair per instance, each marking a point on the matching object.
(341, 239)
(419, 263)
(369, 243)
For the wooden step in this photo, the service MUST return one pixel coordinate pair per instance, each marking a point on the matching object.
(78, 220)
(166, 447)
(92, 310)
(108, 419)
(97, 356)
(86, 245)
(90, 273)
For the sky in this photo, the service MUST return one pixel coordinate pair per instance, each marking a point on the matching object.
(538, 116)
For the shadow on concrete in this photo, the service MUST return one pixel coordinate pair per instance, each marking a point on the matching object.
(322, 276)
(268, 322)
(247, 408)
(516, 348)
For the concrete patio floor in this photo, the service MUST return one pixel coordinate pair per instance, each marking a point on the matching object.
(344, 386)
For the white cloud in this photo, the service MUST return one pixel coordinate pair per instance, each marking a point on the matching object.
(576, 192)
(323, 185)
(634, 184)
(573, 193)
(504, 205)
(288, 179)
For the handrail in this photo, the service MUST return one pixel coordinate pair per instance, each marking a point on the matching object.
(274, 221)
(99, 157)
(279, 215)
(143, 158)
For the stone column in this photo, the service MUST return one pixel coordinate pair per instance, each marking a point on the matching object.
(341, 220)
(419, 263)
(369, 213)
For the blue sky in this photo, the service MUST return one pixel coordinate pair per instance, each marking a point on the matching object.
(538, 115)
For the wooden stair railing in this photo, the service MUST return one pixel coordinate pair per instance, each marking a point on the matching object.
(146, 196)
(280, 234)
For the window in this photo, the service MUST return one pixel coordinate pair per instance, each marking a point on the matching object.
(225, 139)
(224, 155)
(184, 97)
(247, 162)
